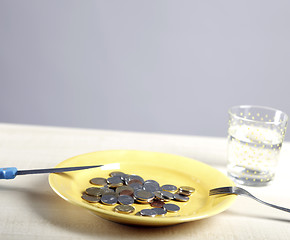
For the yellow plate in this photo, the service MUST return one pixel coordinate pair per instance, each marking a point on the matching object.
(162, 167)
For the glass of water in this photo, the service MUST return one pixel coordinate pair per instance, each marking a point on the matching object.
(255, 137)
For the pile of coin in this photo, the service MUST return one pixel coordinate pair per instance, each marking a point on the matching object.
(126, 190)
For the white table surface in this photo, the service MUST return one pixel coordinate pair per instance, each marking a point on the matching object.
(31, 210)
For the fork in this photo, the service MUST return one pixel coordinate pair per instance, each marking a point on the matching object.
(241, 191)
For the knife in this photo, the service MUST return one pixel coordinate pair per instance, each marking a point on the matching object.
(12, 172)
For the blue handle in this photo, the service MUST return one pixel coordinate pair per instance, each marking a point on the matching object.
(8, 173)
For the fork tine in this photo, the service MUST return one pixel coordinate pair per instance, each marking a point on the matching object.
(214, 191)
(220, 190)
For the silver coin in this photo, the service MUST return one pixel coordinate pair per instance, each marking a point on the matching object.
(125, 200)
(142, 200)
(169, 188)
(148, 212)
(114, 182)
(167, 195)
(124, 209)
(160, 211)
(91, 199)
(186, 190)
(136, 186)
(109, 199)
(107, 191)
(151, 187)
(94, 191)
(151, 182)
(114, 179)
(171, 207)
(119, 174)
(158, 195)
(115, 185)
(143, 195)
(98, 181)
(181, 198)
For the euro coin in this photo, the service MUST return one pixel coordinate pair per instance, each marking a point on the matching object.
(171, 207)
(169, 188)
(181, 198)
(124, 209)
(148, 212)
(94, 191)
(125, 200)
(98, 181)
(109, 199)
(90, 199)
(160, 211)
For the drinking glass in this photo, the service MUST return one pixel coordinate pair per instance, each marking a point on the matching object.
(255, 137)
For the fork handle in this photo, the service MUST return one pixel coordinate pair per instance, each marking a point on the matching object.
(8, 173)
(268, 204)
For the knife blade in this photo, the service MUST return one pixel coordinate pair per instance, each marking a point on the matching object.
(12, 172)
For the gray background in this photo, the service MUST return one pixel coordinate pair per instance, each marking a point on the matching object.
(148, 66)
